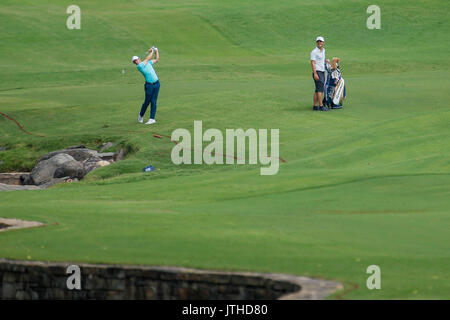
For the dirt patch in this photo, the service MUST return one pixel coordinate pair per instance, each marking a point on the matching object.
(8, 224)
(4, 225)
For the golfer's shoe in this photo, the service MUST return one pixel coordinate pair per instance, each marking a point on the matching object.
(151, 121)
(322, 108)
(140, 119)
(315, 108)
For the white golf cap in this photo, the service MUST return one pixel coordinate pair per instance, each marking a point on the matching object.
(134, 58)
(320, 39)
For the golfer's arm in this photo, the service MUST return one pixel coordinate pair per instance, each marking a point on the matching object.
(149, 57)
(313, 65)
(156, 58)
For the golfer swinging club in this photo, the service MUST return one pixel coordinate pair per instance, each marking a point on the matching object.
(151, 83)
(318, 68)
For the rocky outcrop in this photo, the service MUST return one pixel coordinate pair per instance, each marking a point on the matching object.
(58, 166)
(78, 153)
(66, 165)
(93, 163)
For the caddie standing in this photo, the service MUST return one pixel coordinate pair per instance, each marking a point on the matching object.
(151, 84)
(318, 69)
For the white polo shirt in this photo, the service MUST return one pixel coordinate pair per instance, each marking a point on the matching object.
(319, 57)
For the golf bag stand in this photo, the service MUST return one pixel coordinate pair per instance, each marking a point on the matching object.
(332, 88)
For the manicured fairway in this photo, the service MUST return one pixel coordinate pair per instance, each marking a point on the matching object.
(365, 185)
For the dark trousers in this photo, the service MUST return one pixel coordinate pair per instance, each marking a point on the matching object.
(151, 95)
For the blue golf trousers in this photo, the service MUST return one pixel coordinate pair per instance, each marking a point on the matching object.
(151, 95)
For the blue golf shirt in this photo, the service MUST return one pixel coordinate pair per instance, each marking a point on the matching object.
(148, 71)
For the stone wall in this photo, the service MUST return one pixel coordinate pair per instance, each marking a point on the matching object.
(13, 178)
(39, 280)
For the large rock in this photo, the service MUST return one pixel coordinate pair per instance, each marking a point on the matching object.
(93, 163)
(79, 154)
(25, 179)
(71, 169)
(67, 165)
(57, 166)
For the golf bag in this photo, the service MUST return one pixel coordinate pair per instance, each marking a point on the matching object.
(334, 87)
